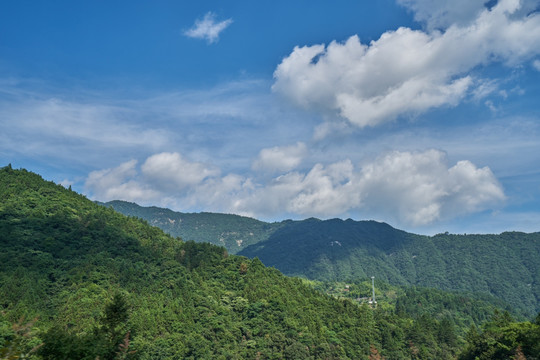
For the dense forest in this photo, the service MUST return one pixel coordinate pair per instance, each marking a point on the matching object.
(81, 281)
(506, 265)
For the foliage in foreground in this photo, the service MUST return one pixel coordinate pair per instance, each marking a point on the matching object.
(503, 338)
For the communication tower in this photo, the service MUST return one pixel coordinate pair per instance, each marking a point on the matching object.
(373, 301)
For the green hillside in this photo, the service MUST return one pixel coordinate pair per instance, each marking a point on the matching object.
(80, 281)
(231, 231)
(464, 309)
(506, 265)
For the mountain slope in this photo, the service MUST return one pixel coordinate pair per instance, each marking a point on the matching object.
(234, 232)
(103, 285)
(505, 265)
(332, 250)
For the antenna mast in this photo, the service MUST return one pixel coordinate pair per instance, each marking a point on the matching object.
(374, 302)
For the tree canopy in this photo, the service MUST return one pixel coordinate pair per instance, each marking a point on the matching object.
(79, 280)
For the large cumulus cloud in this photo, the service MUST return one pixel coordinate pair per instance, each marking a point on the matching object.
(407, 72)
(420, 188)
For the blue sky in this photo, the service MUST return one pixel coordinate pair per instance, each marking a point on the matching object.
(423, 114)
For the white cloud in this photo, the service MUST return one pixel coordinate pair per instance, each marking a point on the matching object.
(323, 191)
(405, 72)
(536, 64)
(89, 130)
(326, 191)
(161, 177)
(489, 104)
(221, 194)
(443, 13)
(170, 171)
(119, 183)
(485, 88)
(420, 189)
(71, 129)
(66, 183)
(207, 28)
(473, 188)
(414, 188)
(280, 158)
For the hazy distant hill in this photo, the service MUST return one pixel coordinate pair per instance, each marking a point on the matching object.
(505, 265)
(231, 231)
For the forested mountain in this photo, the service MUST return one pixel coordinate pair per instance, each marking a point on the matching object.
(231, 231)
(506, 265)
(81, 281)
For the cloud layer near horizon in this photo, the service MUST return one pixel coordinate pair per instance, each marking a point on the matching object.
(415, 188)
(408, 72)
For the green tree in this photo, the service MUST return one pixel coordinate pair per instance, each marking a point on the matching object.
(108, 341)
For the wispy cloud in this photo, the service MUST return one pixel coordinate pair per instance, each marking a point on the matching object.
(208, 28)
(441, 14)
(69, 129)
(89, 131)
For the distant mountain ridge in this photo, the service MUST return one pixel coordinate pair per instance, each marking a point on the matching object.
(506, 265)
(233, 232)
